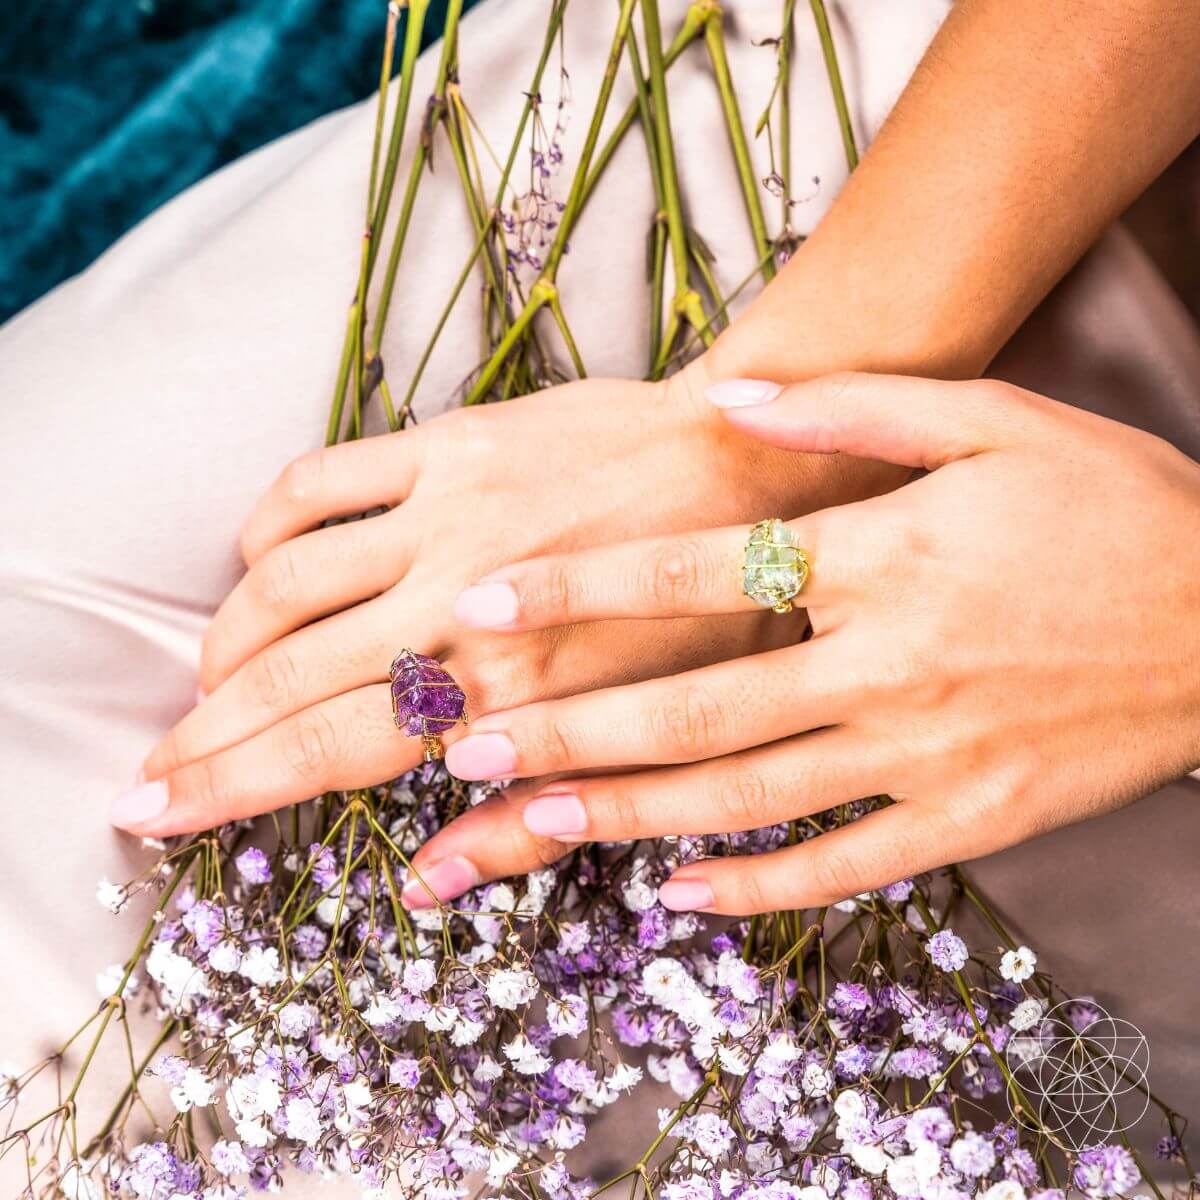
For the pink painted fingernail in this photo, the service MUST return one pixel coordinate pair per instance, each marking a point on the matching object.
(483, 756)
(488, 606)
(742, 393)
(685, 895)
(555, 815)
(139, 805)
(447, 880)
(201, 694)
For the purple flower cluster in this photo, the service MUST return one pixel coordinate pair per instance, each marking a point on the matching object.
(325, 1029)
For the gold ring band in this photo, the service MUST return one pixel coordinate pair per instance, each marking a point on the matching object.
(774, 568)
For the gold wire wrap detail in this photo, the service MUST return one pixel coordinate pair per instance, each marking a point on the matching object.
(774, 568)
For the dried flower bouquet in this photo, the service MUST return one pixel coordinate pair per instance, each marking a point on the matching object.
(306, 1022)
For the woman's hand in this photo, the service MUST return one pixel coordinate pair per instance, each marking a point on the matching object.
(1009, 644)
(296, 660)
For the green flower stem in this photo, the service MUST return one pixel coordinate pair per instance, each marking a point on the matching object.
(676, 235)
(829, 50)
(414, 28)
(714, 39)
(385, 76)
(544, 288)
(491, 368)
(458, 134)
(160, 1040)
(333, 430)
(456, 291)
(658, 272)
(561, 321)
(416, 171)
(691, 29)
(574, 201)
(658, 232)
(786, 41)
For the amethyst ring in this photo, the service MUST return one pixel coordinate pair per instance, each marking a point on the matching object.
(426, 701)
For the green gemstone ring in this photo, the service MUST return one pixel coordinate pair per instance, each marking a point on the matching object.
(775, 568)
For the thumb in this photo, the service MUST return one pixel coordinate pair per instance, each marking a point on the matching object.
(896, 418)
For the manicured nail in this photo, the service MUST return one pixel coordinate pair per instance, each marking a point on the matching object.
(139, 805)
(447, 880)
(742, 393)
(483, 756)
(200, 695)
(557, 814)
(487, 606)
(685, 895)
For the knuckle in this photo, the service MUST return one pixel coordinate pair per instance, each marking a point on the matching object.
(301, 478)
(622, 812)
(206, 789)
(748, 894)
(498, 683)
(833, 874)
(311, 745)
(672, 574)
(276, 579)
(557, 589)
(743, 797)
(690, 721)
(273, 680)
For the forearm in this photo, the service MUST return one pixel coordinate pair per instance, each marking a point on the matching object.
(1027, 128)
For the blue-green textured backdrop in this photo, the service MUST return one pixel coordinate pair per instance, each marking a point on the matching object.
(110, 107)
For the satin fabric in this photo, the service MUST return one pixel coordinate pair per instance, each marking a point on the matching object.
(152, 399)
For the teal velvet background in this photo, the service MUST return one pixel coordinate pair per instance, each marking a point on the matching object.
(110, 107)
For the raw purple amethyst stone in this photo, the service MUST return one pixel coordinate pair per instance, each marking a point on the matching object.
(425, 699)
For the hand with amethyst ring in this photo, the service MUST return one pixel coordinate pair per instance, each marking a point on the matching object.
(297, 696)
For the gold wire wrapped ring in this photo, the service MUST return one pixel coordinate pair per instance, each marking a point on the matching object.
(774, 568)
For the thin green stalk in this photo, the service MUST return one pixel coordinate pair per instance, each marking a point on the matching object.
(829, 50)
(692, 27)
(385, 76)
(579, 183)
(416, 172)
(561, 321)
(414, 28)
(656, 68)
(786, 40)
(714, 39)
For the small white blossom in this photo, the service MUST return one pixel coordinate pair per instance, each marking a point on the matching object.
(108, 980)
(624, 1078)
(501, 1163)
(302, 1120)
(196, 1091)
(1018, 965)
(816, 1081)
(419, 976)
(511, 987)
(1026, 1015)
(112, 896)
(260, 965)
(525, 1056)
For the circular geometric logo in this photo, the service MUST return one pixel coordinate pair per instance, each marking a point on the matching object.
(1083, 1071)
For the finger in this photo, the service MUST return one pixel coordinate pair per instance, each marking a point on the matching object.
(297, 582)
(880, 848)
(487, 842)
(347, 742)
(908, 421)
(688, 575)
(337, 481)
(699, 714)
(343, 652)
(789, 779)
